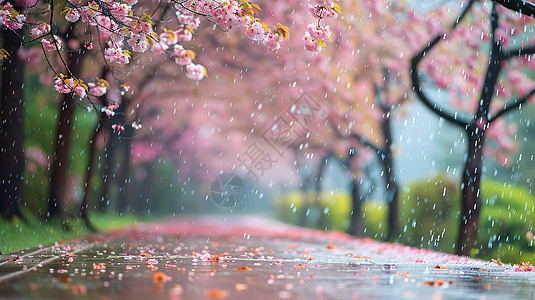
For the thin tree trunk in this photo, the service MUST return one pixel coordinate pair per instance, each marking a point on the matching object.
(11, 127)
(356, 225)
(58, 180)
(109, 166)
(84, 209)
(317, 189)
(470, 189)
(392, 189)
(123, 204)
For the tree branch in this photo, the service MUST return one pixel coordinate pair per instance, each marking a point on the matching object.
(361, 139)
(515, 105)
(416, 84)
(519, 52)
(521, 6)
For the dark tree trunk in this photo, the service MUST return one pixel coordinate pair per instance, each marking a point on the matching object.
(392, 189)
(84, 209)
(12, 127)
(317, 189)
(123, 204)
(356, 225)
(117, 157)
(470, 187)
(58, 178)
(109, 167)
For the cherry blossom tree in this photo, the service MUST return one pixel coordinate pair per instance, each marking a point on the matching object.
(11, 125)
(455, 61)
(372, 85)
(115, 31)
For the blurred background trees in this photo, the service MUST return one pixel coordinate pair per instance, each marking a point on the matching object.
(333, 140)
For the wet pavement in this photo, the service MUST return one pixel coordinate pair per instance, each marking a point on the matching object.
(250, 258)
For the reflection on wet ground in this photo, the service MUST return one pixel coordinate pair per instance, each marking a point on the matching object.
(228, 260)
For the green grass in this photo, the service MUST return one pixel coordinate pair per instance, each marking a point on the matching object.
(17, 235)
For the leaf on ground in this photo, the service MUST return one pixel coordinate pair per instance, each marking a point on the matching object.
(158, 278)
(216, 294)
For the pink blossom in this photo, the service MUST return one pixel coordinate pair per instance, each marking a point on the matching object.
(130, 2)
(10, 21)
(50, 45)
(116, 55)
(195, 72)
(524, 267)
(117, 127)
(322, 12)
(72, 16)
(87, 15)
(272, 41)
(40, 30)
(310, 43)
(139, 43)
(80, 90)
(96, 89)
(61, 86)
(255, 31)
(328, 3)
(319, 32)
(120, 11)
(184, 35)
(189, 20)
(158, 48)
(31, 56)
(182, 57)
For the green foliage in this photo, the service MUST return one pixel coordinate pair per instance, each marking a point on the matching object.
(506, 217)
(17, 234)
(334, 211)
(430, 213)
(330, 210)
(375, 214)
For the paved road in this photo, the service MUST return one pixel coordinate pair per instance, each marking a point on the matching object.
(249, 258)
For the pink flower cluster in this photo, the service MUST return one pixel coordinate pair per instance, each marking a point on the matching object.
(233, 13)
(65, 85)
(120, 127)
(72, 15)
(40, 30)
(52, 44)
(115, 54)
(316, 35)
(322, 9)
(114, 21)
(195, 72)
(524, 267)
(183, 57)
(99, 88)
(9, 19)
(109, 110)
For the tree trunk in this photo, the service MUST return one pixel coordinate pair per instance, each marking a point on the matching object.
(392, 189)
(87, 188)
(12, 127)
(58, 179)
(123, 204)
(356, 225)
(317, 190)
(470, 187)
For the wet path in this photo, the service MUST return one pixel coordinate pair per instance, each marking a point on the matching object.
(250, 258)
